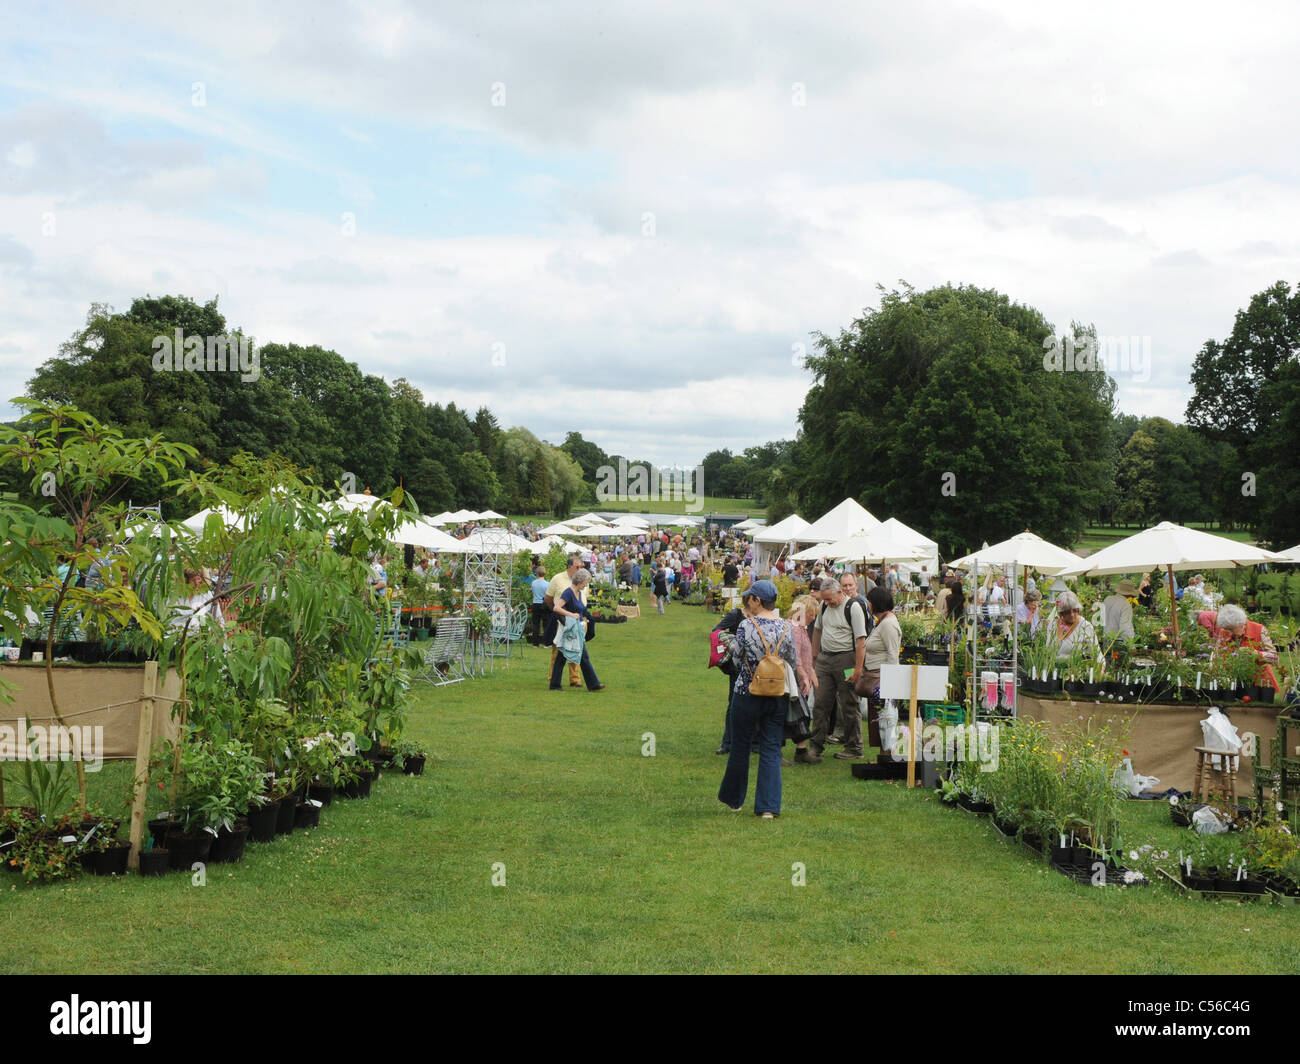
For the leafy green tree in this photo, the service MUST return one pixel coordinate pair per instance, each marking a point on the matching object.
(588, 455)
(937, 409)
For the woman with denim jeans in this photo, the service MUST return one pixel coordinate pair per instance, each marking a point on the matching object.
(762, 632)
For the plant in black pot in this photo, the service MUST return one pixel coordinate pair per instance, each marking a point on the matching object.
(212, 789)
(410, 756)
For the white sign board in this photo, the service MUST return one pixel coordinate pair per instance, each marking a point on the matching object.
(931, 682)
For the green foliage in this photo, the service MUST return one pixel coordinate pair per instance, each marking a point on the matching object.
(956, 368)
(215, 783)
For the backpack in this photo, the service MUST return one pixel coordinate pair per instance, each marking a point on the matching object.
(768, 680)
(719, 643)
(867, 621)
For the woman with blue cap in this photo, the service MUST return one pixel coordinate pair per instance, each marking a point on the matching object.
(760, 634)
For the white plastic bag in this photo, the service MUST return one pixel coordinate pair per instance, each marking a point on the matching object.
(1218, 733)
(1207, 822)
(1130, 782)
(889, 730)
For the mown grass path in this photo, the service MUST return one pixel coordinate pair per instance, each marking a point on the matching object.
(614, 861)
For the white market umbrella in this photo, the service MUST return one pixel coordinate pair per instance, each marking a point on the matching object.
(588, 519)
(1291, 554)
(446, 517)
(632, 521)
(847, 519)
(560, 528)
(418, 533)
(1170, 547)
(749, 524)
(490, 541)
(872, 547)
(815, 553)
(1025, 550)
(490, 515)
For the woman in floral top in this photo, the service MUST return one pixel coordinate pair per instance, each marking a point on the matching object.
(768, 713)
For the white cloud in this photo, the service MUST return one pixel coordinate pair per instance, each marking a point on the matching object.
(1119, 164)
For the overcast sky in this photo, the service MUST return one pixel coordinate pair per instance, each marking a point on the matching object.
(623, 218)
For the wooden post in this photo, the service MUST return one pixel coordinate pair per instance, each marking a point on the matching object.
(143, 741)
(1173, 608)
(911, 744)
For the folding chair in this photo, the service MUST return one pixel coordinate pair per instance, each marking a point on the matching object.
(446, 652)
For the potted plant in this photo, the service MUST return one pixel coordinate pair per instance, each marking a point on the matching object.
(410, 756)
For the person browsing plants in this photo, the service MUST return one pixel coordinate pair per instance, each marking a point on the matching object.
(572, 641)
(839, 643)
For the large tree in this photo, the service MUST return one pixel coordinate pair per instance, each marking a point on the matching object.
(1245, 397)
(938, 408)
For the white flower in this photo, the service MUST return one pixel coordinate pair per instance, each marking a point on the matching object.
(1132, 855)
(1164, 855)
(1281, 808)
(1173, 800)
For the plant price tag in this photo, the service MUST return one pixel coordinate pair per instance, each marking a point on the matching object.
(317, 803)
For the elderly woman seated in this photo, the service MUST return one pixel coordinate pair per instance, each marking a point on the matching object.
(1072, 630)
(1230, 627)
(1028, 612)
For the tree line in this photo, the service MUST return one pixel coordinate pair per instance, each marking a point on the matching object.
(940, 408)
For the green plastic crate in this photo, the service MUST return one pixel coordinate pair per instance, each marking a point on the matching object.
(943, 712)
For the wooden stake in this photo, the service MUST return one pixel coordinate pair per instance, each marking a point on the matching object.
(911, 744)
(143, 741)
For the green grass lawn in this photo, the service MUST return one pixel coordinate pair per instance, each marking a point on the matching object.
(1098, 536)
(617, 862)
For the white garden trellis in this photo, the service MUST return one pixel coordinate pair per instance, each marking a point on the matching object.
(489, 562)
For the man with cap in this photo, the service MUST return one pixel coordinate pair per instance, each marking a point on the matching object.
(1117, 611)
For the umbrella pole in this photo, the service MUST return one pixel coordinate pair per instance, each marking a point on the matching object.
(1173, 608)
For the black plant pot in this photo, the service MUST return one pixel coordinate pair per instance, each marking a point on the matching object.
(158, 830)
(112, 862)
(286, 814)
(1161, 692)
(261, 822)
(1053, 685)
(306, 816)
(413, 766)
(187, 849)
(972, 806)
(155, 863)
(1066, 856)
(1266, 694)
(230, 843)
(322, 792)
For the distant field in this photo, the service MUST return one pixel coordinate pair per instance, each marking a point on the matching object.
(711, 504)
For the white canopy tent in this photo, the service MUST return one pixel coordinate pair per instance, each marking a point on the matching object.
(784, 531)
(929, 561)
(560, 528)
(228, 517)
(847, 519)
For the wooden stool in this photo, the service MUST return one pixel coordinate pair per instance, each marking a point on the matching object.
(1210, 779)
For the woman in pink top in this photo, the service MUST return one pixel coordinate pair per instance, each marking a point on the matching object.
(802, 612)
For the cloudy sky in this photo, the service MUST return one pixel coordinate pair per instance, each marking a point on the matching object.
(624, 219)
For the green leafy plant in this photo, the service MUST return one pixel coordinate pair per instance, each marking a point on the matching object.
(407, 748)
